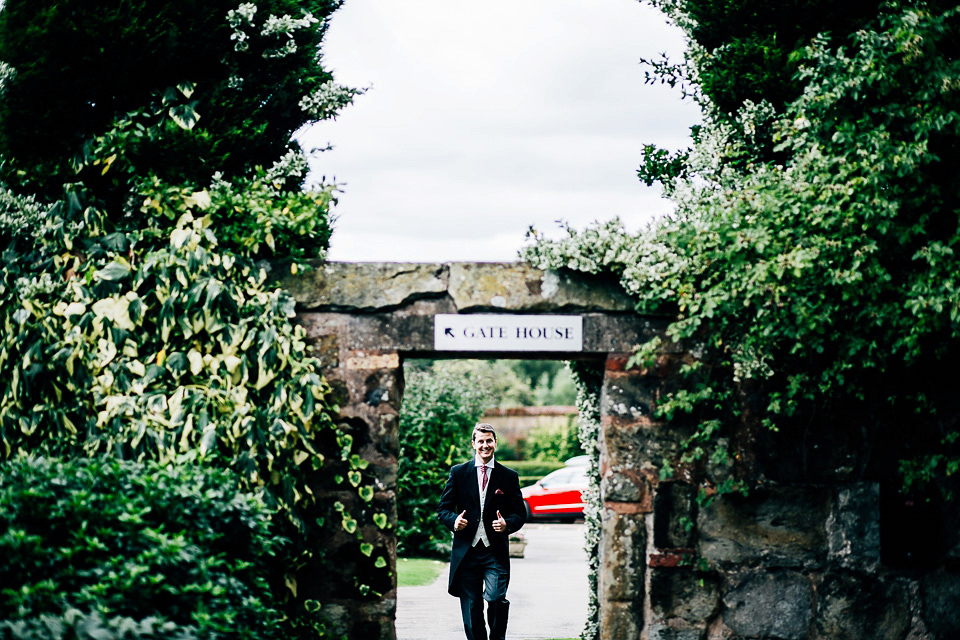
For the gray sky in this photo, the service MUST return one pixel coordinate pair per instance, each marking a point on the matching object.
(487, 117)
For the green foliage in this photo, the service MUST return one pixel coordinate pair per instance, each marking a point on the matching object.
(103, 547)
(819, 291)
(515, 383)
(153, 346)
(553, 442)
(549, 382)
(739, 52)
(147, 184)
(254, 72)
(440, 407)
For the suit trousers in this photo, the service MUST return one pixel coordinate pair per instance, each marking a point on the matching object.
(483, 577)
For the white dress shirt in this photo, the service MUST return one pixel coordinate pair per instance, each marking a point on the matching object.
(481, 535)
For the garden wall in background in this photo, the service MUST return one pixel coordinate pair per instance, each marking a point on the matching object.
(802, 558)
(514, 424)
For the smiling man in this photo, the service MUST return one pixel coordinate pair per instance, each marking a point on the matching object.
(477, 492)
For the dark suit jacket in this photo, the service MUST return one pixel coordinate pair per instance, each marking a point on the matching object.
(462, 493)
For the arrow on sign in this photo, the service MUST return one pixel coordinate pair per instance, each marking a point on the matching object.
(448, 331)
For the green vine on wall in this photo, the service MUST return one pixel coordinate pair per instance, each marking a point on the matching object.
(589, 379)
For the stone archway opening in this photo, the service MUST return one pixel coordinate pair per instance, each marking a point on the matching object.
(549, 583)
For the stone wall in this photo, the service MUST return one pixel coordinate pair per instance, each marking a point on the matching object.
(514, 424)
(826, 556)
(834, 558)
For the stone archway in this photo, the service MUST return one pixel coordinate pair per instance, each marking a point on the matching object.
(365, 318)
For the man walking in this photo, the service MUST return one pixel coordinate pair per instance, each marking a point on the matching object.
(482, 505)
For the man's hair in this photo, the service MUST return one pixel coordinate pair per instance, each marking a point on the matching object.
(483, 427)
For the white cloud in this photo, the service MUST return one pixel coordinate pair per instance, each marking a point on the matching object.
(485, 118)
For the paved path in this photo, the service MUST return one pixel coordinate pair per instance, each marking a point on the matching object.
(547, 594)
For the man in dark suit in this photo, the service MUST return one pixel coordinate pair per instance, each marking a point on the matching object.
(481, 491)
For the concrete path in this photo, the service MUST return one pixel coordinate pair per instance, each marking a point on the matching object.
(547, 593)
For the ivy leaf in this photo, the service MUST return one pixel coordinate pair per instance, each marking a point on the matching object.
(116, 242)
(185, 115)
(113, 272)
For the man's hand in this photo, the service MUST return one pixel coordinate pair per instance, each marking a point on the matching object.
(461, 522)
(499, 525)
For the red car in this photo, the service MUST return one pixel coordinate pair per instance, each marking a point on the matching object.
(559, 494)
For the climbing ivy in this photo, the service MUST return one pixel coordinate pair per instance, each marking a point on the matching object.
(589, 379)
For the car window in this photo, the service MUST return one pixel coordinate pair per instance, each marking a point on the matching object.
(565, 476)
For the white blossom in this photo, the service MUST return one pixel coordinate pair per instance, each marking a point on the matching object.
(326, 101)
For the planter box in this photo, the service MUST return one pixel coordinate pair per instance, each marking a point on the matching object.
(517, 547)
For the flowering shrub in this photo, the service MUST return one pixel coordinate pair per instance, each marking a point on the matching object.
(810, 263)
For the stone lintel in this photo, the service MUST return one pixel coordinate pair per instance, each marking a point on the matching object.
(472, 286)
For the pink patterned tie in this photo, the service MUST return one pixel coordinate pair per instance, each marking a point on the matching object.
(483, 480)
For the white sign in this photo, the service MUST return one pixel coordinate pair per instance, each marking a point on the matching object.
(499, 332)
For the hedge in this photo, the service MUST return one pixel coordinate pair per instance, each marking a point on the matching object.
(111, 549)
(532, 470)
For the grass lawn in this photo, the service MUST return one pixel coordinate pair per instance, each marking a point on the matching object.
(418, 572)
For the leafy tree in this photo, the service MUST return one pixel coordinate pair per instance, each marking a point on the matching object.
(223, 86)
(741, 52)
(440, 407)
(820, 289)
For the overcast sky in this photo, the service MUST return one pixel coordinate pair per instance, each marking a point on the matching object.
(484, 118)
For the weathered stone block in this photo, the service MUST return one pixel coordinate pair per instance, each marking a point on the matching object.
(779, 527)
(630, 447)
(370, 361)
(855, 607)
(674, 514)
(519, 286)
(365, 285)
(627, 486)
(770, 605)
(684, 594)
(622, 556)
(941, 603)
(853, 527)
(621, 619)
(387, 437)
(659, 631)
(628, 398)
(408, 329)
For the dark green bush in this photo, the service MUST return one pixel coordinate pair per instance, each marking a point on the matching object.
(440, 408)
(554, 442)
(112, 549)
(532, 470)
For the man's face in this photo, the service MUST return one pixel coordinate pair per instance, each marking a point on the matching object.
(484, 444)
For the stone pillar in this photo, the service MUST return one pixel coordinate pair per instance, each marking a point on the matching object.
(626, 491)
(359, 597)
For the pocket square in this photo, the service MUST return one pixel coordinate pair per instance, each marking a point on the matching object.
(498, 492)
